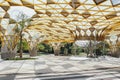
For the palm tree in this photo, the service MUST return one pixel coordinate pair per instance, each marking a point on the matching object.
(22, 23)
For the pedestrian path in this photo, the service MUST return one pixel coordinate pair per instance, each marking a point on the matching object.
(49, 67)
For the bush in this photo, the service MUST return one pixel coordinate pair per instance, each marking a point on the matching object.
(78, 50)
(41, 47)
(25, 47)
(45, 48)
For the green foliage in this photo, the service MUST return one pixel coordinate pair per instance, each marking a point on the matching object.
(73, 51)
(25, 46)
(45, 48)
(23, 22)
(22, 59)
(102, 47)
(66, 51)
(41, 47)
(78, 50)
(69, 47)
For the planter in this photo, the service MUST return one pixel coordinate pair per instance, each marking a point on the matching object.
(56, 52)
(116, 54)
(33, 52)
(8, 55)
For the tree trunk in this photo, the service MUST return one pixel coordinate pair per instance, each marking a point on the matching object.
(90, 48)
(21, 45)
(66, 51)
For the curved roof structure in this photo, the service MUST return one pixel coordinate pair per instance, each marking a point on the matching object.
(68, 20)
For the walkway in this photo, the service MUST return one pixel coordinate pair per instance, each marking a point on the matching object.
(60, 68)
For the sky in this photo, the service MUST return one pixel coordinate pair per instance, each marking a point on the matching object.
(116, 2)
(14, 11)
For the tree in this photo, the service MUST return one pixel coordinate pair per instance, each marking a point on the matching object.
(56, 47)
(25, 47)
(89, 48)
(74, 48)
(23, 21)
(66, 51)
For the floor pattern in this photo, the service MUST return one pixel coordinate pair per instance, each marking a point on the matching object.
(49, 67)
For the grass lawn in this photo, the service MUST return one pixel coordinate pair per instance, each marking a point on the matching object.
(22, 58)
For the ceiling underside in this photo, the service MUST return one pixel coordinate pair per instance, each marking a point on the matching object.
(68, 20)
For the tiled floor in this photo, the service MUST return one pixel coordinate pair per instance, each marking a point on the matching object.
(48, 67)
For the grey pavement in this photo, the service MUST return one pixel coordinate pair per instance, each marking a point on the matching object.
(48, 67)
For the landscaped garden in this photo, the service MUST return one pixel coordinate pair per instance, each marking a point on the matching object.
(76, 39)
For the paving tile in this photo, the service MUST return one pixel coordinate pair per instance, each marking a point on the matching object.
(66, 66)
(39, 63)
(51, 65)
(7, 77)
